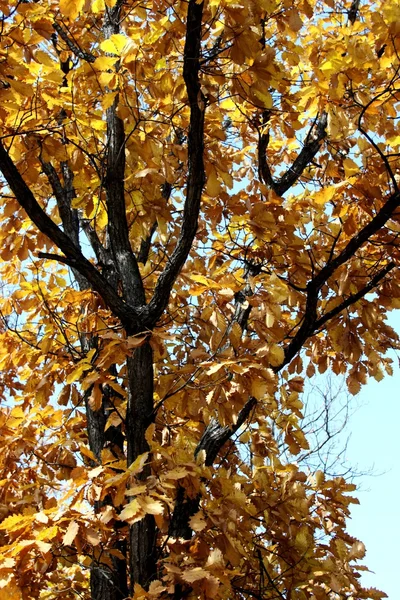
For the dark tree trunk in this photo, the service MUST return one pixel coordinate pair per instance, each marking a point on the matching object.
(139, 415)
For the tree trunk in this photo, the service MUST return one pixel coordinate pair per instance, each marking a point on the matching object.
(139, 416)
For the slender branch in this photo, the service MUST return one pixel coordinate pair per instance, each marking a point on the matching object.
(69, 216)
(196, 176)
(305, 157)
(353, 298)
(309, 150)
(102, 254)
(310, 319)
(264, 172)
(75, 49)
(145, 245)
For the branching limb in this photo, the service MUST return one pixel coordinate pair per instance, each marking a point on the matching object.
(215, 436)
(196, 176)
(353, 298)
(120, 245)
(305, 157)
(75, 49)
(73, 256)
(310, 319)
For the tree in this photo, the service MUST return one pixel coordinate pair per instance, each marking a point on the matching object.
(200, 209)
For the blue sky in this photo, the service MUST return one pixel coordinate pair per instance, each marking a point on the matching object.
(375, 444)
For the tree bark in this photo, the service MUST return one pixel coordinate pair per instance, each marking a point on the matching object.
(139, 415)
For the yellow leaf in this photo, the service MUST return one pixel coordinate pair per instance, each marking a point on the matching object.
(132, 512)
(80, 368)
(156, 588)
(98, 6)
(213, 187)
(319, 477)
(276, 355)
(350, 167)
(15, 522)
(47, 534)
(43, 546)
(96, 398)
(92, 536)
(265, 98)
(195, 574)
(357, 551)
(41, 517)
(71, 533)
(113, 420)
(303, 539)
(197, 522)
(137, 489)
(150, 505)
(258, 388)
(205, 280)
(228, 104)
(133, 341)
(115, 44)
(138, 464)
(295, 22)
(235, 335)
(108, 100)
(10, 591)
(71, 8)
(95, 472)
(353, 385)
(215, 558)
(177, 473)
(324, 195)
(104, 63)
(44, 58)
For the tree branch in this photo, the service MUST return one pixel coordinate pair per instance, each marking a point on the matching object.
(69, 216)
(196, 176)
(353, 298)
(311, 146)
(145, 245)
(75, 49)
(353, 11)
(215, 436)
(306, 155)
(72, 253)
(125, 260)
(310, 318)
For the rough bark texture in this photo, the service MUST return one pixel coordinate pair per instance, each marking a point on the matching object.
(139, 415)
